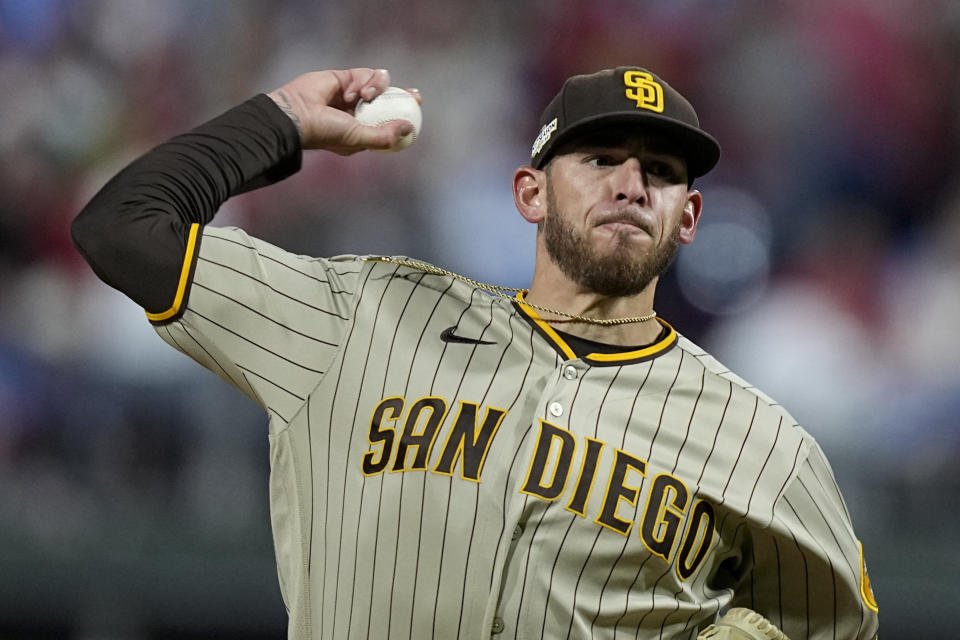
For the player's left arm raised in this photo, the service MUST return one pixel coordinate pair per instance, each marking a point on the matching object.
(808, 575)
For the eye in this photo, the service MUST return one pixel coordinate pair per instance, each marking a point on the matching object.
(663, 170)
(601, 160)
(658, 169)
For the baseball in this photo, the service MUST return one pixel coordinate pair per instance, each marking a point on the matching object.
(392, 104)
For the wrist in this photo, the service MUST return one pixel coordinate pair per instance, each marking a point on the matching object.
(292, 107)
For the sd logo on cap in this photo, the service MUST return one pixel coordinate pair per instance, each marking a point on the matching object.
(627, 97)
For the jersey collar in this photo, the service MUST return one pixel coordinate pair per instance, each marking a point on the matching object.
(598, 359)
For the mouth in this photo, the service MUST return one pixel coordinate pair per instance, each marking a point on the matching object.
(624, 222)
(620, 227)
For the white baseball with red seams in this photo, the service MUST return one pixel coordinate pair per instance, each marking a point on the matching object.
(393, 104)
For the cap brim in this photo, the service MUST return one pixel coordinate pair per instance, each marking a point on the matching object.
(700, 150)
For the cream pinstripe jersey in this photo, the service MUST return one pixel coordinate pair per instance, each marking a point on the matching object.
(485, 482)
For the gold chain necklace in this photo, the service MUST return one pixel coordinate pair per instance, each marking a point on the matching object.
(501, 292)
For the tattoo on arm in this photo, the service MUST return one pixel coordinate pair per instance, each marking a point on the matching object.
(287, 108)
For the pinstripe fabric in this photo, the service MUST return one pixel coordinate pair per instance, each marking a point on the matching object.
(430, 489)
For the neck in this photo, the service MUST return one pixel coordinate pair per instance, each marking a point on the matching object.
(553, 290)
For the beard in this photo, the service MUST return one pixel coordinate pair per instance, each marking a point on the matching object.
(615, 273)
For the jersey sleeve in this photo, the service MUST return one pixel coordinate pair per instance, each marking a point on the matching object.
(267, 321)
(135, 231)
(808, 573)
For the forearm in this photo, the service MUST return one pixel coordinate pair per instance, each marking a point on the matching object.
(134, 232)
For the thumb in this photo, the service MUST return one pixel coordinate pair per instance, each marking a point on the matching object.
(384, 136)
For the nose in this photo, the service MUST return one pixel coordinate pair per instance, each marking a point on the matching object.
(630, 182)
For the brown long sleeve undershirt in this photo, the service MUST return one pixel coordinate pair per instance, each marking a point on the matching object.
(134, 232)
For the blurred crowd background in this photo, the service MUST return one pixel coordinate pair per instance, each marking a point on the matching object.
(826, 271)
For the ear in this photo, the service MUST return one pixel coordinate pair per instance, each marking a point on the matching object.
(690, 216)
(529, 193)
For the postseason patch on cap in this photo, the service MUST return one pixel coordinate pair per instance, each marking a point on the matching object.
(545, 132)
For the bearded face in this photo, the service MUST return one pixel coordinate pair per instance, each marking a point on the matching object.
(622, 270)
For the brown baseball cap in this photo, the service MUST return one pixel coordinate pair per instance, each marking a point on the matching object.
(628, 97)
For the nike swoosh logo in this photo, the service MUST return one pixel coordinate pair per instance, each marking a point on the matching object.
(449, 336)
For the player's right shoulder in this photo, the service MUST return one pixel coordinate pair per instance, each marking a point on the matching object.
(410, 273)
(254, 273)
(237, 247)
(405, 267)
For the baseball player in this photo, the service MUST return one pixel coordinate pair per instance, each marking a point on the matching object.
(454, 460)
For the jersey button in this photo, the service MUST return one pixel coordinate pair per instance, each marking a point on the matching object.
(556, 409)
(517, 532)
(497, 626)
(570, 372)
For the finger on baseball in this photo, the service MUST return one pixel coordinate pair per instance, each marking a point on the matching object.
(416, 94)
(364, 83)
